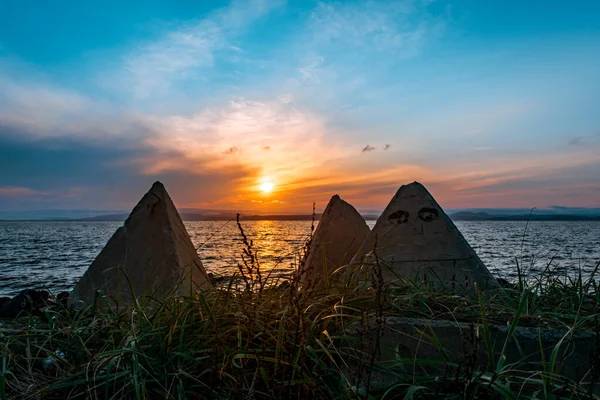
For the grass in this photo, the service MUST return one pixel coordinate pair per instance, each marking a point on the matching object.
(252, 339)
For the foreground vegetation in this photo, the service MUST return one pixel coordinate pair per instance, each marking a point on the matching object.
(257, 337)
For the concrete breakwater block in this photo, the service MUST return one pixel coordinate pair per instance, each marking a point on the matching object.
(150, 255)
(336, 240)
(419, 341)
(414, 239)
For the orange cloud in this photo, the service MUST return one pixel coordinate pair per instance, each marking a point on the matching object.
(15, 192)
(298, 144)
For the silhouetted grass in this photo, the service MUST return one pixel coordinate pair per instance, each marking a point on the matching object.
(249, 339)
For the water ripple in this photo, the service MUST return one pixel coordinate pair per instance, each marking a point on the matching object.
(56, 254)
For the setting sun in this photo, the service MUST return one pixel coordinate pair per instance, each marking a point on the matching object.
(266, 187)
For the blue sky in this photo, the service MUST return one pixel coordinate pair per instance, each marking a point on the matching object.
(489, 104)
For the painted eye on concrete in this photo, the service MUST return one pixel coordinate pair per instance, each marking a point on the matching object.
(399, 217)
(428, 214)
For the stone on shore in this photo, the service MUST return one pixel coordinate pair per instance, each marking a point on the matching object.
(27, 301)
(151, 255)
(336, 240)
(414, 239)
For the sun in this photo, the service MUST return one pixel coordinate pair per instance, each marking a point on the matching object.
(266, 187)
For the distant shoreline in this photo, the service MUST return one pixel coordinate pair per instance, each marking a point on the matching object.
(482, 216)
(459, 216)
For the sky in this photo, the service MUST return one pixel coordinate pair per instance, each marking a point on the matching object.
(488, 104)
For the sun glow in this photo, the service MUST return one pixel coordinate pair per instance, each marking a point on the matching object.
(266, 187)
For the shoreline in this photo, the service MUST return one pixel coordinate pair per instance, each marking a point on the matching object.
(453, 217)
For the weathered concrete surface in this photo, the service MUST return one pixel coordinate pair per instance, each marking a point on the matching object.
(407, 339)
(152, 249)
(415, 239)
(338, 237)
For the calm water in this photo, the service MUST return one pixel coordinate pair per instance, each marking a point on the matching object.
(56, 254)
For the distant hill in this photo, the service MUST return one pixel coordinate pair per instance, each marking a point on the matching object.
(482, 216)
(195, 216)
(108, 217)
(187, 216)
(54, 215)
(456, 216)
(555, 213)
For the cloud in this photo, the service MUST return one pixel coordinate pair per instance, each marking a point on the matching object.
(37, 106)
(73, 138)
(39, 109)
(204, 91)
(300, 138)
(309, 72)
(183, 53)
(576, 141)
(268, 201)
(399, 27)
(345, 57)
(296, 138)
(518, 179)
(361, 186)
(17, 192)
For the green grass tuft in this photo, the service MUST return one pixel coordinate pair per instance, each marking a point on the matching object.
(250, 338)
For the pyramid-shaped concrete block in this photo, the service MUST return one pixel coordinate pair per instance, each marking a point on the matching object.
(414, 239)
(338, 237)
(151, 255)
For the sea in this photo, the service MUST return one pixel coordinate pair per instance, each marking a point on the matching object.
(55, 254)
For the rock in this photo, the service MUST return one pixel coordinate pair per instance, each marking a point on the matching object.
(338, 236)
(4, 300)
(506, 284)
(211, 278)
(397, 341)
(63, 298)
(28, 301)
(414, 239)
(151, 255)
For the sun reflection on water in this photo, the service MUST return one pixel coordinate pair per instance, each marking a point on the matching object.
(276, 244)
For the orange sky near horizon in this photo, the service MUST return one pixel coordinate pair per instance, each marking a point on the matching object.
(250, 143)
(358, 179)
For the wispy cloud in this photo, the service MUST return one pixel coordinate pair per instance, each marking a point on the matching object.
(232, 150)
(18, 192)
(309, 72)
(38, 105)
(40, 109)
(391, 26)
(576, 141)
(346, 53)
(26, 193)
(295, 138)
(185, 52)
